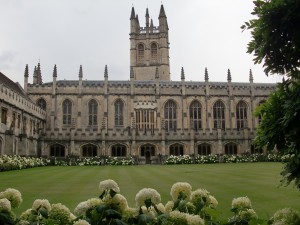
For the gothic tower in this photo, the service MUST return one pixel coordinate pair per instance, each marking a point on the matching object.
(149, 47)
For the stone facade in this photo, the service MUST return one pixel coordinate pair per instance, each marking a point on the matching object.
(148, 117)
(22, 121)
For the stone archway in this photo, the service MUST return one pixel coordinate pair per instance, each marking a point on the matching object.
(148, 151)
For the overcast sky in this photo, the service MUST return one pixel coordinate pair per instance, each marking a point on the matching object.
(93, 33)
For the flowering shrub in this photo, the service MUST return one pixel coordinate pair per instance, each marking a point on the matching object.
(19, 162)
(113, 161)
(209, 159)
(186, 207)
(182, 159)
(205, 159)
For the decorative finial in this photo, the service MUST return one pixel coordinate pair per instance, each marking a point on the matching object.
(228, 75)
(206, 74)
(250, 76)
(132, 15)
(182, 74)
(80, 72)
(26, 74)
(55, 71)
(105, 72)
(39, 74)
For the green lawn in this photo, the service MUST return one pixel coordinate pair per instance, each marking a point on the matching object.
(71, 185)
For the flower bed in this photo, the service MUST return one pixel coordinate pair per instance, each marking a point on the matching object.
(209, 159)
(18, 162)
(186, 207)
(21, 162)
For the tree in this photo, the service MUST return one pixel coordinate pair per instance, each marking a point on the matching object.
(276, 36)
(280, 127)
(276, 43)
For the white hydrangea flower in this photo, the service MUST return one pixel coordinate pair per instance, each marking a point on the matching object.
(199, 195)
(248, 214)
(81, 222)
(213, 203)
(241, 203)
(286, 215)
(13, 195)
(161, 207)
(41, 203)
(121, 201)
(92, 202)
(109, 184)
(183, 187)
(169, 206)
(5, 205)
(177, 216)
(60, 213)
(131, 212)
(145, 194)
(26, 214)
(81, 208)
(194, 220)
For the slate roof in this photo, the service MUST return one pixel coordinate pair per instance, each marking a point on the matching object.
(15, 86)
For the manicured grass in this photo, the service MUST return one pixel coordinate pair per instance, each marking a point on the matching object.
(71, 185)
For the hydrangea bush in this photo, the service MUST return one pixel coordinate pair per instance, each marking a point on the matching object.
(21, 162)
(186, 207)
(209, 159)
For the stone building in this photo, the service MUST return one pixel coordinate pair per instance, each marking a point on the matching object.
(21, 120)
(149, 116)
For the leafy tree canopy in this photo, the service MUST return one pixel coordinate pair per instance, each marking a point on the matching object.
(275, 42)
(280, 127)
(276, 36)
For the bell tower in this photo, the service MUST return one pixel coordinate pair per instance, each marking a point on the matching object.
(149, 47)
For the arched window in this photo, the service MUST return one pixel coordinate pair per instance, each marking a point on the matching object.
(119, 107)
(57, 150)
(89, 150)
(67, 112)
(176, 149)
(195, 115)
(93, 107)
(4, 115)
(144, 119)
(146, 148)
(141, 53)
(118, 151)
(204, 149)
(154, 52)
(230, 149)
(42, 103)
(170, 116)
(241, 115)
(219, 115)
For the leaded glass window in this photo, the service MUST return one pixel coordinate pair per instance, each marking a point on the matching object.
(170, 116)
(67, 112)
(219, 115)
(195, 115)
(93, 107)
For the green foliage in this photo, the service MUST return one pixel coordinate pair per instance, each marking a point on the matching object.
(280, 127)
(276, 36)
(276, 42)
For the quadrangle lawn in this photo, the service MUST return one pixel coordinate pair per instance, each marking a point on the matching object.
(71, 185)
